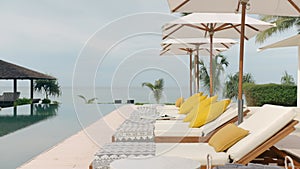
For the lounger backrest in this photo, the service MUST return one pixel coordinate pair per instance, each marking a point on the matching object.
(230, 113)
(262, 125)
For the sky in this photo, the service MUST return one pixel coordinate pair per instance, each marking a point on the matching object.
(114, 43)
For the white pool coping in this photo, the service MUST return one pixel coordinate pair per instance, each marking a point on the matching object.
(77, 151)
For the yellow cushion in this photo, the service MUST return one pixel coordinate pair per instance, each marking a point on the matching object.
(215, 111)
(191, 114)
(227, 137)
(209, 113)
(188, 105)
(179, 101)
(203, 103)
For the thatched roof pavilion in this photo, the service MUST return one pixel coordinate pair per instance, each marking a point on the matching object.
(12, 71)
(9, 71)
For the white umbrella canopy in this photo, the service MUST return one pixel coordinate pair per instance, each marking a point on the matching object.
(202, 42)
(213, 25)
(177, 50)
(264, 7)
(289, 42)
(222, 25)
(179, 46)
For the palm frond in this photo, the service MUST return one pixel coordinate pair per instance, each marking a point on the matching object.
(283, 23)
(149, 85)
(287, 79)
(231, 85)
(219, 64)
(157, 88)
(90, 101)
(159, 84)
(81, 96)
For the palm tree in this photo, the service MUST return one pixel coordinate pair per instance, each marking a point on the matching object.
(231, 85)
(88, 101)
(287, 79)
(283, 23)
(49, 87)
(156, 88)
(219, 64)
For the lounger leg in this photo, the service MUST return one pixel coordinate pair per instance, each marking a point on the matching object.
(283, 154)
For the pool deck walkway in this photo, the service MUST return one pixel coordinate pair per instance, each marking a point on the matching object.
(77, 152)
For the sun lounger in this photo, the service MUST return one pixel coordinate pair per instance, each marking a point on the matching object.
(139, 126)
(179, 132)
(266, 127)
(9, 96)
(160, 111)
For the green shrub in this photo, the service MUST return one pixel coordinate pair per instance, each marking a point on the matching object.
(22, 101)
(258, 95)
(55, 102)
(169, 103)
(46, 101)
(139, 104)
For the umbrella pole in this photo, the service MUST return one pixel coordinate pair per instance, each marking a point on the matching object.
(197, 61)
(197, 69)
(195, 73)
(191, 73)
(241, 63)
(211, 65)
(298, 83)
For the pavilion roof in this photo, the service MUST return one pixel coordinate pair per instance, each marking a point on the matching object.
(13, 71)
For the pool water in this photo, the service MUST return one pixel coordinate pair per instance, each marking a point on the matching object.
(26, 133)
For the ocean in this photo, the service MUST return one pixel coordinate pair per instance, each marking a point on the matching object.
(28, 133)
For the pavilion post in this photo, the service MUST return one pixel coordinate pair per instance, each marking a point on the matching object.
(15, 86)
(15, 89)
(31, 109)
(15, 110)
(31, 89)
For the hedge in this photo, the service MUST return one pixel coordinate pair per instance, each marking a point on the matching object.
(22, 101)
(258, 95)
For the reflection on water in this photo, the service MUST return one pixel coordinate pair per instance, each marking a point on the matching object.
(20, 119)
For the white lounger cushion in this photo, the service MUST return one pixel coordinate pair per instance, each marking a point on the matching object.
(167, 107)
(261, 125)
(179, 128)
(170, 111)
(195, 151)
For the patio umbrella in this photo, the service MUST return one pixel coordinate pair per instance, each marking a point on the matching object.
(266, 7)
(173, 49)
(270, 7)
(219, 44)
(289, 42)
(203, 42)
(212, 25)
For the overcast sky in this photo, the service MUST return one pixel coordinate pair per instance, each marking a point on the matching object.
(113, 42)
